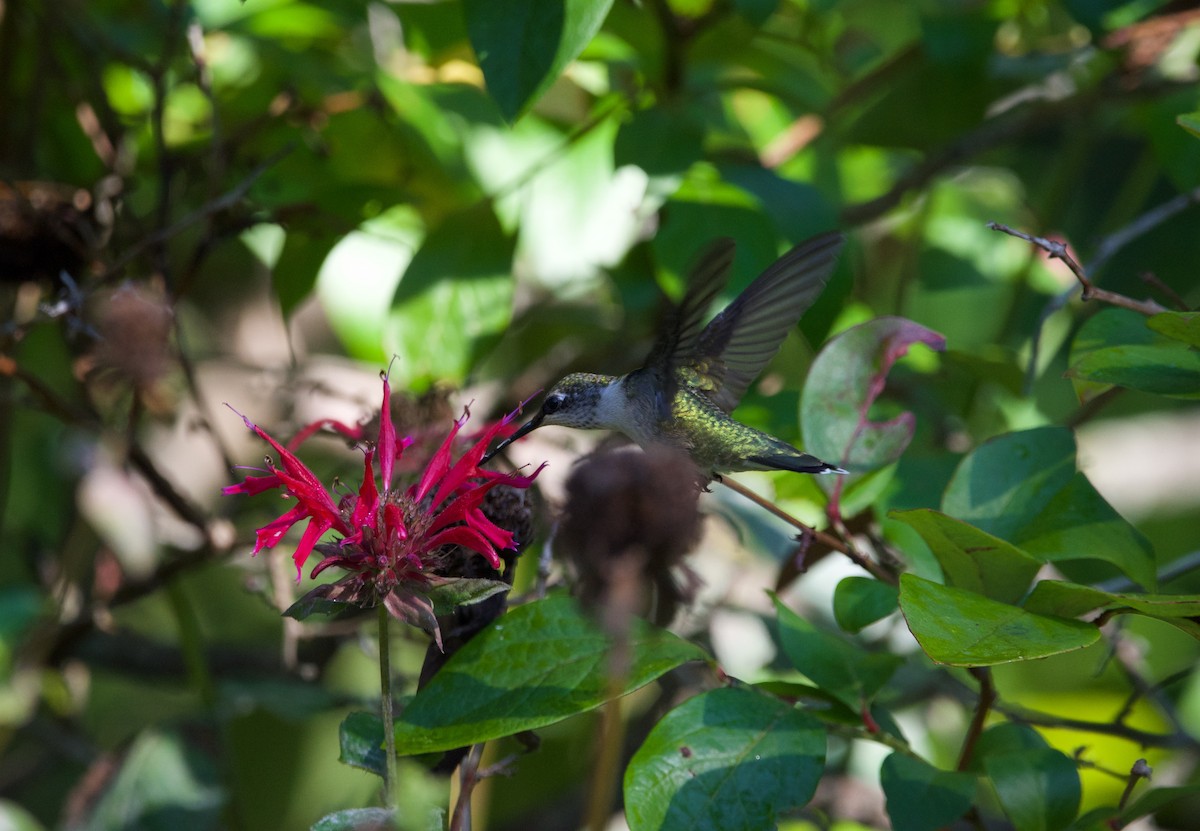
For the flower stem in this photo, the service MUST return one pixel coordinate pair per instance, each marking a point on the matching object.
(385, 697)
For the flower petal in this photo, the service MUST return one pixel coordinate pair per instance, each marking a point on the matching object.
(352, 433)
(253, 484)
(270, 534)
(297, 478)
(368, 497)
(467, 538)
(439, 465)
(317, 526)
(386, 445)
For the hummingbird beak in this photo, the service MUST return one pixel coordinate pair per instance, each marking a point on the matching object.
(524, 429)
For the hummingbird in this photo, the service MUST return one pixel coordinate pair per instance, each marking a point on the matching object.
(695, 374)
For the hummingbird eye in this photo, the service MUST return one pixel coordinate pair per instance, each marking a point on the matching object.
(554, 403)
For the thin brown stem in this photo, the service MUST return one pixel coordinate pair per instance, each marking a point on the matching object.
(1140, 770)
(1142, 738)
(987, 697)
(468, 778)
(876, 570)
(1059, 251)
(1151, 279)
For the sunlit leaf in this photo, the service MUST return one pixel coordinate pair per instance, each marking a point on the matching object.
(1190, 122)
(455, 296)
(1180, 326)
(962, 628)
(972, 559)
(1055, 597)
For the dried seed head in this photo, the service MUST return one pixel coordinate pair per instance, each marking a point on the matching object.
(631, 506)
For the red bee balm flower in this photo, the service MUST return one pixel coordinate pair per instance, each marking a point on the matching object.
(389, 536)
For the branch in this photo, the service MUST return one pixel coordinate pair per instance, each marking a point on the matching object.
(987, 699)
(1058, 251)
(1148, 221)
(872, 567)
(221, 203)
(1143, 738)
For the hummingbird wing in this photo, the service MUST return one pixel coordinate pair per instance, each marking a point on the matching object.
(724, 358)
(683, 324)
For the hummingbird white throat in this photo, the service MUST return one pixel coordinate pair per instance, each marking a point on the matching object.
(695, 374)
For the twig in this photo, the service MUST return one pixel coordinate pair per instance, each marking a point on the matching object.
(468, 778)
(1058, 250)
(987, 698)
(1140, 770)
(1148, 221)
(1142, 738)
(1128, 661)
(165, 491)
(869, 565)
(1151, 279)
(221, 203)
(1176, 568)
(1093, 406)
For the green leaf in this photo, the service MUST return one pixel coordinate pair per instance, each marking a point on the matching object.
(728, 758)
(20, 607)
(523, 45)
(1055, 597)
(1163, 369)
(160, 777)
(1023, 487)
(1190, 122)
(1006, 737)
(538, 664)
(922, 798)
(1039, 788)
(1155, 800)
(860, 601)
(835, 664)
(454, 297)
(756, 11)
(972, 559)
(1108, 327)
(361, 739)
(13, 817)
(1180, 326)
(449, 593)
(356, 819)
(845, 380)
(962, 628)
(1118, 347)
(315, 603)
(661, 140)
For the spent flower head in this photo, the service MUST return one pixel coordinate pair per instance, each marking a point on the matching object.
(391, 536)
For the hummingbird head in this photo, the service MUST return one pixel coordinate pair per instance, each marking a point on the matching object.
(578, 400)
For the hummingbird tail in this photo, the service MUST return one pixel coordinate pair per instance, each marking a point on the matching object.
(801, 463)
